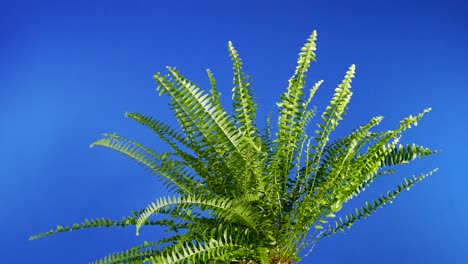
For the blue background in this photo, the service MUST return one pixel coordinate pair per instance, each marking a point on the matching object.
(69, 70)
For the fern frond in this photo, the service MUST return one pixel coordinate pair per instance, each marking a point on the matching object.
(212, 126)
(135, 255)
(140, 253)
(291, 122)
(219, 247)
(244, 107)
(307, 210)
(392, 155)
(204, 117)
(372, 152)
(337, 156)
(205, 124)
(403, 155)
(164, 131)
(244, 116)
(332, 115)
(174, 139)
(369, 208)
(292, 108)
(223, 207)
(171, 171)
(215, 94)
(363, 169)
(102, 222)
(191, 253)
(267, 143)
(365, 166)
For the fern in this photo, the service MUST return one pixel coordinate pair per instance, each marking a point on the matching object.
(243, 194)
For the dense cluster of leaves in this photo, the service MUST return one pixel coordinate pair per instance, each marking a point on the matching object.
(242, 195)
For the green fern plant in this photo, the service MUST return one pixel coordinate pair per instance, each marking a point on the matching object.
(242, 195)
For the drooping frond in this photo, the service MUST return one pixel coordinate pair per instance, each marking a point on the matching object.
(223, 207)
(164, 131)
(176, 141)
(171, 171)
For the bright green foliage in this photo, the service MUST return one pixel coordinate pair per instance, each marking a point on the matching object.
(241, 196)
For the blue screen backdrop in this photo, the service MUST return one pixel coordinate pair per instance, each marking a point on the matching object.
(69, 70)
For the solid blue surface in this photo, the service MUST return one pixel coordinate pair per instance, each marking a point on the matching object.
(70, 70)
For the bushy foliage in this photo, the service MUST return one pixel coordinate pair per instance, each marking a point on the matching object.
(243, 195)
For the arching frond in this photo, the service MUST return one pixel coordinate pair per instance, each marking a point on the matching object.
(223, 207)
(176, 141)
(165, 132)
(170, 170)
